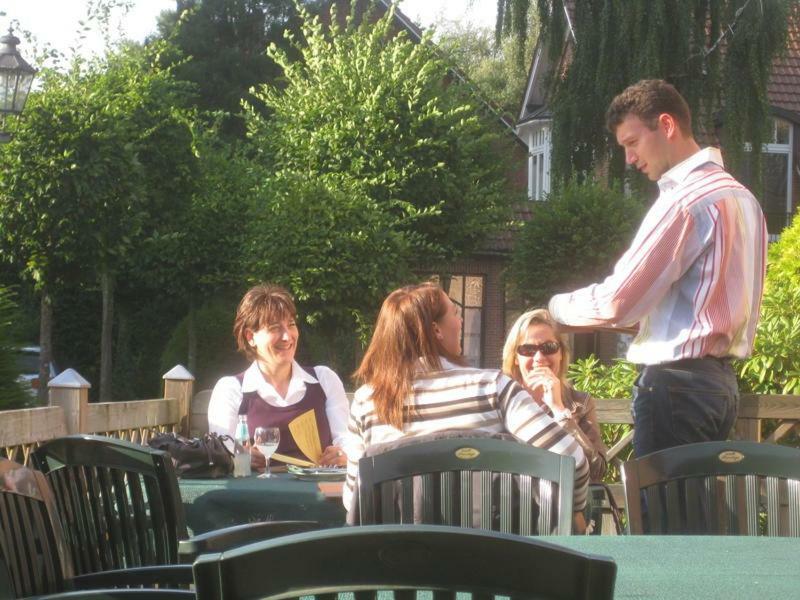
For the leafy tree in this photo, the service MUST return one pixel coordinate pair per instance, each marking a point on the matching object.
(377, 162)
(201, 255)
(498, 71)
(774, 367)
(718, 54)
(11, 393)
(572, 239)
(101, 158)
(326, 239)
(369, 103)
(218, 45)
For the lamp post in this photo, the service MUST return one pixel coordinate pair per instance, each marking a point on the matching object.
(16, 77)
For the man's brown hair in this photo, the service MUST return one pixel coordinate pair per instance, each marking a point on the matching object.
(648, 99)
(262, 305)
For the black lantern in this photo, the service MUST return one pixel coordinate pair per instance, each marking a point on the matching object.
(16, 77)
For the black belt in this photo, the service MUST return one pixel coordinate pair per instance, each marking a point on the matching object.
(688, 362)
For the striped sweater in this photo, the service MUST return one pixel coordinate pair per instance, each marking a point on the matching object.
(462, 398)
(693, 275)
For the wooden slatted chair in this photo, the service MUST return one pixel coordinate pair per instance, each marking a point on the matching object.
(121, 507)
(482, 483)
(403, 559)
(717, 488)
(33, 550)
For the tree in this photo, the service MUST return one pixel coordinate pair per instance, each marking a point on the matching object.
(11, 393)
(572, 238)
(100, 160)
(774, 367)
(334, 246)
(498, 71)
(218, 45)
(371, 104)
(718, 55)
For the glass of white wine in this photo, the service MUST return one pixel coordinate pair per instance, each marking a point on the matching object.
(266, 439)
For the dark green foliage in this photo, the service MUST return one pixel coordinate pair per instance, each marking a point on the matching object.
(216, 347)
(572, 239)
(11, 393)
(218, 45)
(618, 42)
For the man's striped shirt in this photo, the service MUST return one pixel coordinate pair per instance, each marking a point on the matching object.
(693, 275)
(462, 398)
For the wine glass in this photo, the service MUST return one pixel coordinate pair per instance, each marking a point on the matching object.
(266, 439)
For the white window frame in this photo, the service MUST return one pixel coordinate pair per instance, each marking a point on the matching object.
(539, 161)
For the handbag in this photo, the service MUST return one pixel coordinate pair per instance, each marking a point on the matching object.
(205, 458)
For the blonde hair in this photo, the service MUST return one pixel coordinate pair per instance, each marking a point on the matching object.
(516, 336)
(404, 339)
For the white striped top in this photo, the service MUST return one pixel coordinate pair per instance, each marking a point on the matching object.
(694, 274)
(462, 398)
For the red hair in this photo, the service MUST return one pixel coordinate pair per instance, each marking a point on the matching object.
(404, 340)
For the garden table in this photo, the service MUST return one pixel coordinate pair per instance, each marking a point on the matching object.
(214, 503)
(698, 567)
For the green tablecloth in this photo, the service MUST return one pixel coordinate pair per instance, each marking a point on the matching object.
(214, 503)
(698, 568)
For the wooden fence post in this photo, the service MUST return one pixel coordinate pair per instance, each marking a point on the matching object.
(179, 384)
(70, 391)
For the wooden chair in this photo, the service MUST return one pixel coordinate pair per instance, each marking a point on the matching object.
(469, 482)
(403, 559)
(33, 550)
(120, 506)
(722, 488)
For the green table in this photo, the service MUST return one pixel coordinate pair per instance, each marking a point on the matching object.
(698, 567)
(214, 503)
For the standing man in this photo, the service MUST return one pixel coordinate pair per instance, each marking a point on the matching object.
(692, 278)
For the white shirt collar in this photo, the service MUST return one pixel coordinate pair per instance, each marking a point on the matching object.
(677, 174)
(253, 380)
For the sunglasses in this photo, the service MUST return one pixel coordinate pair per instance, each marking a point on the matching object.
(547, 349)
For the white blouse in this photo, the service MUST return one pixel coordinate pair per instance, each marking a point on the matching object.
(223, 408)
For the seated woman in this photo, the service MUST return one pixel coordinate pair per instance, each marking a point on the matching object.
(536, 356)
(415, 383)
(275, 390)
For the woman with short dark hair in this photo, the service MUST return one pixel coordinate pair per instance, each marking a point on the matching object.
(275, 390)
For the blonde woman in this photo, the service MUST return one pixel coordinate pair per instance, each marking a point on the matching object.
(537, 357)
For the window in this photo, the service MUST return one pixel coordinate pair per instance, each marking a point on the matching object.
(776, 198)
(466, 292)
(539, 162)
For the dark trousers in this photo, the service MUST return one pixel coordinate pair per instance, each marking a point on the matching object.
(683, 402)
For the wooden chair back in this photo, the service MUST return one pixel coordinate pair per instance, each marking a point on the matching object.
(119, 502)
(720, 488)
(481, 483)
(32, 544)
(403, 559)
